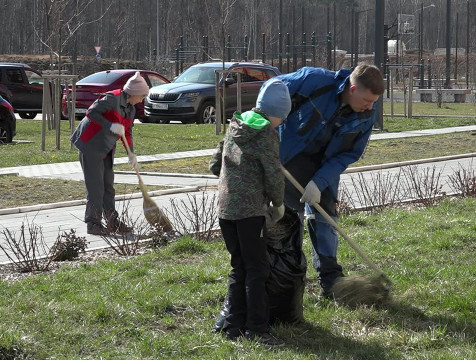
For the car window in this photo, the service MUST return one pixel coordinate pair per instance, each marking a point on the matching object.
(234, 75)
(100, 78)
(155, 80)
(270, 73)
(15, 76)
(34, 78)
(253, 74)
(198, 74)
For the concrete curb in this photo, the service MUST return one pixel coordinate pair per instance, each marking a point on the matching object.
(39, 207)
(198, 176)
(407, 163)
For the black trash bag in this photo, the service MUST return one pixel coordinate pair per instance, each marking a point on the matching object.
(286, 282)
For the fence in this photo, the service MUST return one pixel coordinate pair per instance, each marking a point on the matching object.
(304, 53)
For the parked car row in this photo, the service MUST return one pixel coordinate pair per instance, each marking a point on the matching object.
(189, 98)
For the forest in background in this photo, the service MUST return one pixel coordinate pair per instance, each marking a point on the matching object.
(150, 30)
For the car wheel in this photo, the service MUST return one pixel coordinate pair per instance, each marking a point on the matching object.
(206, 113)
(27, 115)
(5, 133)
(145, 120)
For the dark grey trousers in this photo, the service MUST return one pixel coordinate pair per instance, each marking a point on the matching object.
(248, 300)
(99, 181)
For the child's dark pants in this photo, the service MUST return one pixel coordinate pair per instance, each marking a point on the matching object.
(247, 279)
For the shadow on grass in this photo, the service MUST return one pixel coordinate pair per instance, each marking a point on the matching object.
(308, 339)
(412, 318)
(11, 353)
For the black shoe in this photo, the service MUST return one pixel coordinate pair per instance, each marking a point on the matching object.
(327, 289)
(233, 334)
(327, 293)
(264, 338)
(96, 229)
(118, 226)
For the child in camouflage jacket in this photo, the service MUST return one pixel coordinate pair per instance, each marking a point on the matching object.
(247, 162)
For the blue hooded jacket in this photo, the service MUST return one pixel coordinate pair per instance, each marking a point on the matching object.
(316, 121)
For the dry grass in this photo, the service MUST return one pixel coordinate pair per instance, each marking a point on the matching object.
(20, 191)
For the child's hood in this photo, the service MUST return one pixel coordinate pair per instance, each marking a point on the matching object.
(246, 126)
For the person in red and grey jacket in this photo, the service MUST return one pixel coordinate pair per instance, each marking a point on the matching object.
(109, 118)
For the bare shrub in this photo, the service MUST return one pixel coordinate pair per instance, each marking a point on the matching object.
(158, 237)
(196, 216)
(128, 244)
(378, 192)
(345, 202)
(439, 97)
(424, 186)
(27, 252)
(463, 181)
(68, 246)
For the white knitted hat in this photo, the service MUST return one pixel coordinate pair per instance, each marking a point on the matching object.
(136, 85)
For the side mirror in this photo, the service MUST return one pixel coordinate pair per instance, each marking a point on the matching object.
(229, 81)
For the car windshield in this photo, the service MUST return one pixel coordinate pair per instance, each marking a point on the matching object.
(100, 78)
(34, 78)
(198, 74)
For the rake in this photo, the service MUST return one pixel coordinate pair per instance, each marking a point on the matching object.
(353, 290)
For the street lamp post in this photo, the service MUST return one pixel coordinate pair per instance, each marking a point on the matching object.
(467, 44)
(379, 47)
(420, 42)
(448, 44)
(356, 33)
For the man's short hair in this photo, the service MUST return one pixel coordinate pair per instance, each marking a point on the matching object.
(369, 77)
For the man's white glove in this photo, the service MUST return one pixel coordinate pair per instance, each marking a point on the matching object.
(118, 129)
(274, 214)
(312, 194)
(133, 160)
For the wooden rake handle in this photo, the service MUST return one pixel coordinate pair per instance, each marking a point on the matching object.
(128, 150)
(331, 221)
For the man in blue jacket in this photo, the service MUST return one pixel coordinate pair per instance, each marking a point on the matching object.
(327, 130)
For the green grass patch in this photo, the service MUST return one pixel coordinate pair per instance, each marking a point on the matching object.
(421, 108)
(20, 191)
(377, 152)
(156, 139)
(398, 124)
(148, 139)
(413, 148)
(162, 305)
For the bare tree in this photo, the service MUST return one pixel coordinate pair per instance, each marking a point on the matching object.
(63, 19)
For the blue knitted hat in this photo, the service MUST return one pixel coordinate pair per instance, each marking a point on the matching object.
(274, 99)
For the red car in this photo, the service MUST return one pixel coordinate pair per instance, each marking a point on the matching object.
(8, 122)
(91, 87)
